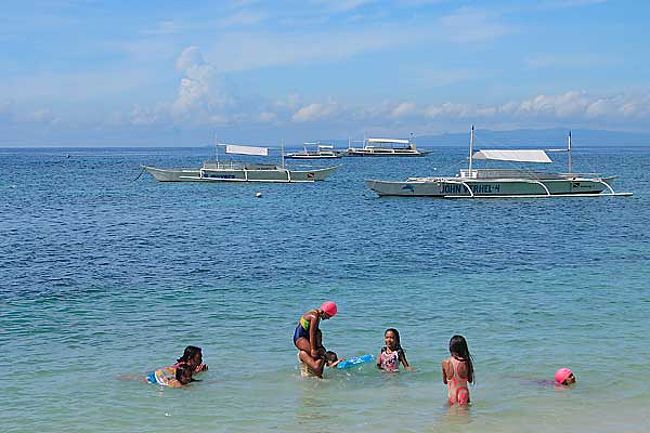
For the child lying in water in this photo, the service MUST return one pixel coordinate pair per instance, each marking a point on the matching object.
(173, 377)
(193, 357)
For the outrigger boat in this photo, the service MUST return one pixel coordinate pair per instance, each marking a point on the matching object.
(323, 151)
(500, 183)
(385, 147)
(233, 171)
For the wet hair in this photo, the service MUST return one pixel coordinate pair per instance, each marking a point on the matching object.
(458, 347)
(182, 372)
(331, 357)
(396, 332)
(189, 354)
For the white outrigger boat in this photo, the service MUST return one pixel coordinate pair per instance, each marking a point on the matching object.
(323, 151)
(385, 147)
(232, 171)
(500, 183)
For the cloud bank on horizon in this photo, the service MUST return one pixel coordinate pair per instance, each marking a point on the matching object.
(316, 68)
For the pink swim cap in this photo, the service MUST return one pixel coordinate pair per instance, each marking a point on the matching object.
(562, 374)
(329, 308)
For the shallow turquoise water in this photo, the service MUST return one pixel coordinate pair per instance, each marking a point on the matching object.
(103, 277)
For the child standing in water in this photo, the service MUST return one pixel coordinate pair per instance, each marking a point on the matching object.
(458, 371)
(306, 338)
(392, 354)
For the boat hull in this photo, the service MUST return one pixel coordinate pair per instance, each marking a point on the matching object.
(299, 156)
(277, 175)
(383, 152)
(497, 188)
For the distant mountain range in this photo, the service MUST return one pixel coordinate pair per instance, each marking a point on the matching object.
(556, 138)
(485, 138)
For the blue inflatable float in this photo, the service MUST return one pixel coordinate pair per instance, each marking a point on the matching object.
(357, 360)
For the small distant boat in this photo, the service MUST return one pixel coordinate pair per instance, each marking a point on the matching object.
(323, 151)
(385, 147)
(235, 171)
(500, 183)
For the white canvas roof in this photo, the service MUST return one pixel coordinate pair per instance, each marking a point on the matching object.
(527, 155)
(387, 140)
(247, 150)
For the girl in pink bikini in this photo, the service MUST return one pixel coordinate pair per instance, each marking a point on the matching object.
(392, 354)
(458, 371)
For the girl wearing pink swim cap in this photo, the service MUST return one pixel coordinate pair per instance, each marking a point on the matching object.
(305, 336)
(564, 376)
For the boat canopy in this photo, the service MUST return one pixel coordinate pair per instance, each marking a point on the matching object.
(388, 140)
(319, 145)
(527, 155)
(247, 150)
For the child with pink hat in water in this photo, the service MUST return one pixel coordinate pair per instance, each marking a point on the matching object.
(306, 340)
(564, 376)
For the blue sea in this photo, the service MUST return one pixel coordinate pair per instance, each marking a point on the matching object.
(104, 278)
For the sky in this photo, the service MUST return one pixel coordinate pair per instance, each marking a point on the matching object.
(123, 73)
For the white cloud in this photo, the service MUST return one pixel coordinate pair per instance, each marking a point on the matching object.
(200, 96)
(421, 2)
(572, 104)
(242, 19)
(291, 102)
(267, 117)
(468, 25)
(544, 61)
(576, 107)
(144, 116)
(42, 115)
(315, 112)
(240, 51)
(448, 109)
(71, 87)
(191, 57)
(403, 109)
(564, 4)
(167, 27)
(334, 6)
(5, 109)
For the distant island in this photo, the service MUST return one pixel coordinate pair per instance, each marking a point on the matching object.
(554, 137)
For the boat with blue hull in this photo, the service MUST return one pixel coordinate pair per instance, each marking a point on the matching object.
(500, 183)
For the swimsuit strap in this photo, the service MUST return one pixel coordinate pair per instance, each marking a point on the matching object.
(304, 322)
(457, 384)
(456, 372)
